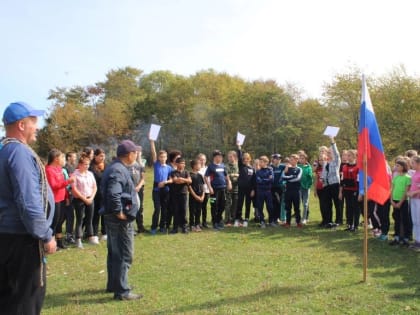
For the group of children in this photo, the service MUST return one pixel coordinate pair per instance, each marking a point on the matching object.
(266, 184)
(270, 187)
(337, 182)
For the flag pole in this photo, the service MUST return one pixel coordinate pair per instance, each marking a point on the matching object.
(366, 219)
(365, 188)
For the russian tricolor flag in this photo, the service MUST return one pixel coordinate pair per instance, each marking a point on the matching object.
(370, 145)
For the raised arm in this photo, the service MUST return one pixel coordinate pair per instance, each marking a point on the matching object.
(153, 151)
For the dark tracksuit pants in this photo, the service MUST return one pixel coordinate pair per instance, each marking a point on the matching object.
(264, 196)
(244, 195)
(292, 197)
(352, 208)
(276, 192)
(160, 202)
(180, 210)
(402, 221)
(331, 196)
(217, 204)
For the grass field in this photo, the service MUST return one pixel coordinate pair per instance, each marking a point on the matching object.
(242, 271)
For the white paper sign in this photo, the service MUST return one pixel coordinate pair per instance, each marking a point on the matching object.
(240, 138)
(331, 131)
(154, 132)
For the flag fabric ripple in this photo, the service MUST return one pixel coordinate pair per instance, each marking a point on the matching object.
(370, 144)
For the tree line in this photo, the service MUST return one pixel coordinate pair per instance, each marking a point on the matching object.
(204, 111)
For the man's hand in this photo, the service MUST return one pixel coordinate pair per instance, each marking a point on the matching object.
(51, 246)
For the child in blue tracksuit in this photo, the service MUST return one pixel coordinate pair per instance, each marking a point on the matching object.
(264, 180)
(292, 175)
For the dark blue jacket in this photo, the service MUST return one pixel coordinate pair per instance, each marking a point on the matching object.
(264, 179)
(118, 191)
(22, 206)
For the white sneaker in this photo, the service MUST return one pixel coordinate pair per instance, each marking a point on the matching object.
(93, 240)
(245, 223)
(236, 224)
(303, 221)
(104, 237)
(79, 243)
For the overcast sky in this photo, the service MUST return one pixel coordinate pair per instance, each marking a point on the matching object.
(50, 43)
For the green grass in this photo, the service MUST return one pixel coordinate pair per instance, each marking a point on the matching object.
(242, 271)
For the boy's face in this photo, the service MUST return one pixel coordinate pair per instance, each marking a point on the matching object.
(218, 159)
(275, 161)
(162, 158)
(180, 166)
(302, 159)
(292, 161)
(263, 163)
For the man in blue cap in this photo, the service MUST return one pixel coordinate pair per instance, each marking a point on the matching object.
(26, 211)
(120, 207)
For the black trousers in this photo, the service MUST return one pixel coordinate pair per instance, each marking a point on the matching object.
(322, 206)
(180, 210)
(22, 275)
(160, 203)
(244, 195)
(217, 204)
(195, 211)
(401, 218)
(204, 208)
(277, 193)
(59, 217)
(331, 196)
(139, 216)
(292, 198)
(352, 208)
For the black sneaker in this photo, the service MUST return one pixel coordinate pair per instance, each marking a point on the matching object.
(405, 243)
(394, 242)
(60, 244)
(142, 230)
(70, 240)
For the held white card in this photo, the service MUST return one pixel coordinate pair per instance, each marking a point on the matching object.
(331, 131)
(240, 138)
(154, 132)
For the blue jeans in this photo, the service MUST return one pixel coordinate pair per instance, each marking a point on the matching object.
(120, 243)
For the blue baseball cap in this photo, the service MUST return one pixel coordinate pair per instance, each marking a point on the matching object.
(19, 110)
(125, 147)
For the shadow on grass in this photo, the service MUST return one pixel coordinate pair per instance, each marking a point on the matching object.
(88, 296)
(239, 300)
(400, 263)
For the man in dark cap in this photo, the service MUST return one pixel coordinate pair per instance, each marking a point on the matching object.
(26, 212)
(120, 207)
